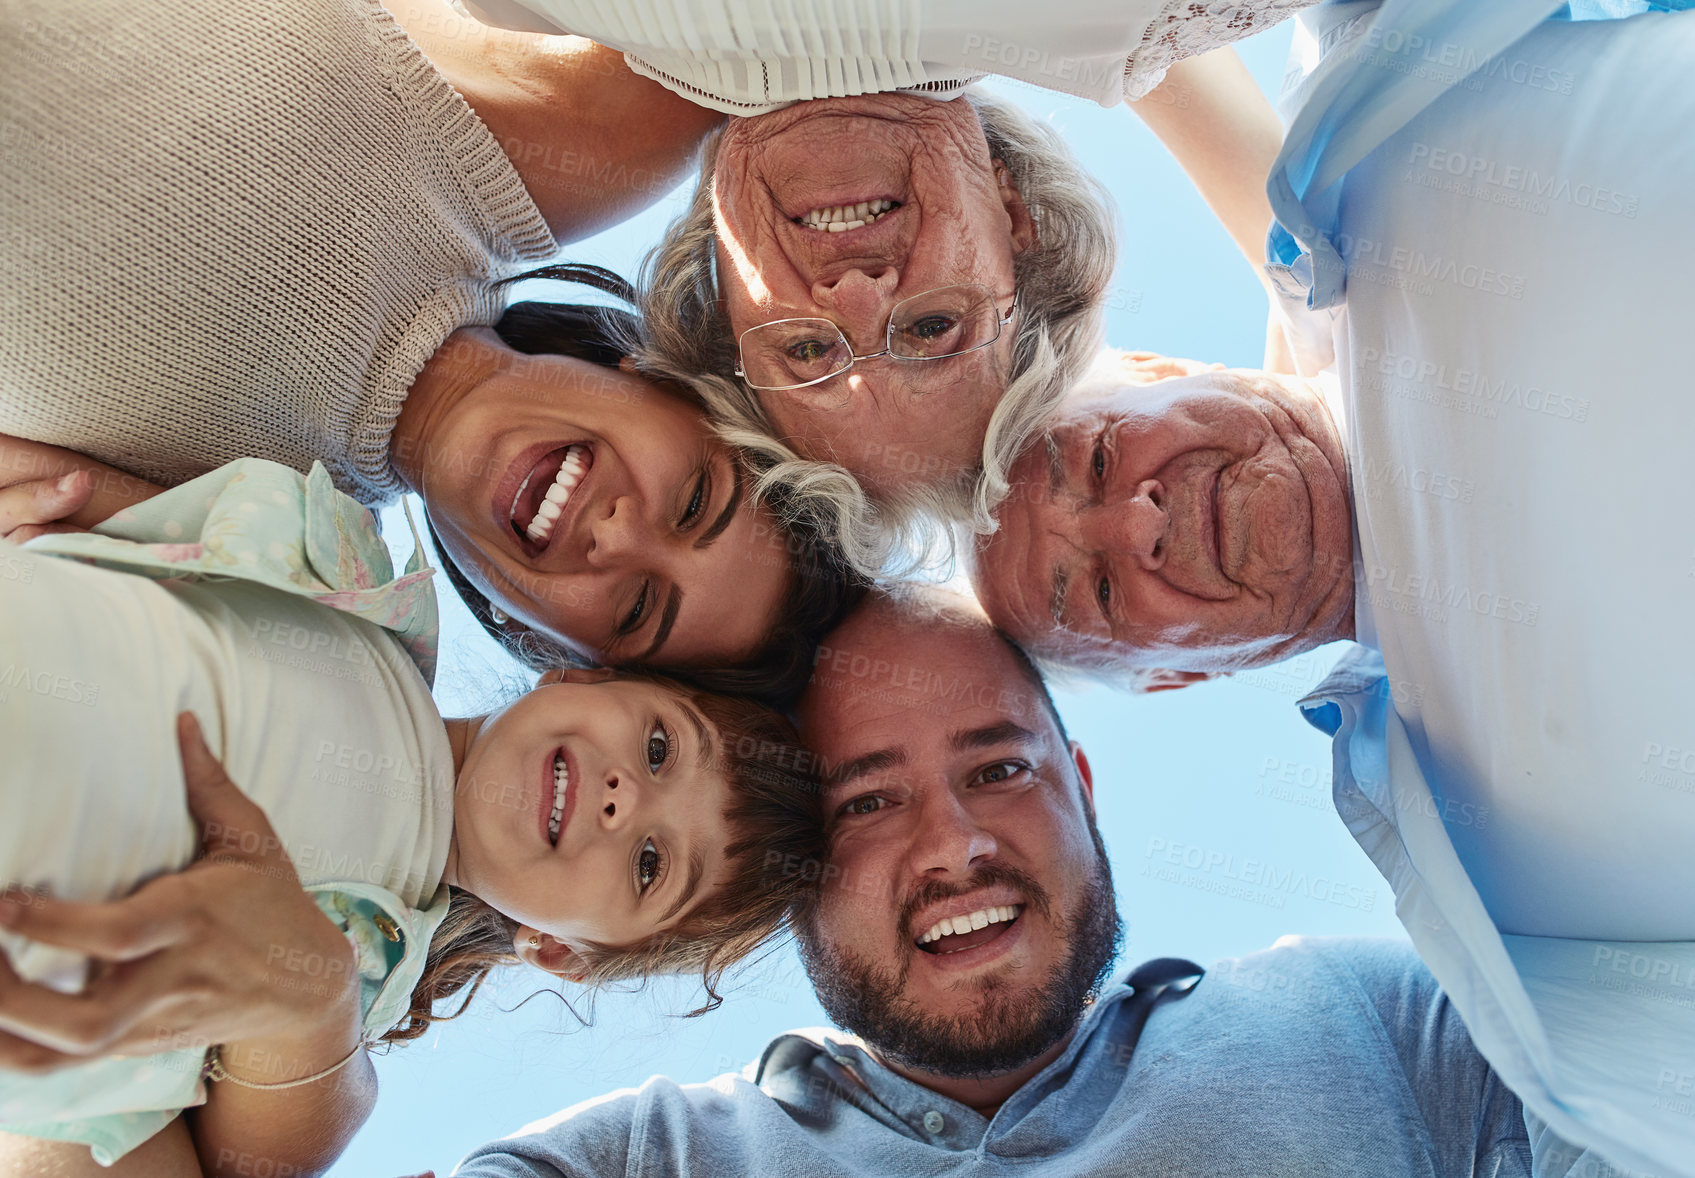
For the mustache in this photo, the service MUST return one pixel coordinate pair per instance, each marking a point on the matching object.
(987, 875)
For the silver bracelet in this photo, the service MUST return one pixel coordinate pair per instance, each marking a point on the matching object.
(215, 1070)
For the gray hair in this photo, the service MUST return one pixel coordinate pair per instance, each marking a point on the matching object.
(1062, 280)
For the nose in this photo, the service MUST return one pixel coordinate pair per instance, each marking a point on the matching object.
(619, 798)
(947, 839)
(617, 535)
(860, 299)
(1133, 528)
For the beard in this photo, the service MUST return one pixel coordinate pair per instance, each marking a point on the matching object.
(1008, 1025)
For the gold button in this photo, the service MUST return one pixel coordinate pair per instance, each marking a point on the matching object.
(386, 926)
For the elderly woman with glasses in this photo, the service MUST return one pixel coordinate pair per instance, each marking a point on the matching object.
(887, 278)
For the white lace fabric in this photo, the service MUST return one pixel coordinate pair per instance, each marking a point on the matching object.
(1189, 28)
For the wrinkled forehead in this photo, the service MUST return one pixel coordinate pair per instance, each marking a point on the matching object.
(1103, 390)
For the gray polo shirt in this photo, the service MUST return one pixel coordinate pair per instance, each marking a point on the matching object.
(1313, 1058)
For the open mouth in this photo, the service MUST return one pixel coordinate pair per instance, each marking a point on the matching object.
(546, 491)
(841, 218)
(561, 787)
(958, 933)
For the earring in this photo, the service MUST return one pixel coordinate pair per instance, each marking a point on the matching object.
(498, 615)
(535, 941)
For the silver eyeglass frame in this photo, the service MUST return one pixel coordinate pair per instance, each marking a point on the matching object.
(888, 337)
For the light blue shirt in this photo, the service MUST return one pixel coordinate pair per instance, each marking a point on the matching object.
(1313, 1058)
(1512, 751)
(1383, 64)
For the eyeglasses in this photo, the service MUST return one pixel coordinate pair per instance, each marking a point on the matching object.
(947, 321)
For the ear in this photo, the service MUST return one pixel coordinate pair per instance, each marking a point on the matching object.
(1023, 224)
(1085, 775)
(1171, 680)
(548, 954)
(576, 675)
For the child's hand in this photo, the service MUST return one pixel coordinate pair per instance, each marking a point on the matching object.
(189, 960)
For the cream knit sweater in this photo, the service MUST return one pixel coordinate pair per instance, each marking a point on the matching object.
(235, 230)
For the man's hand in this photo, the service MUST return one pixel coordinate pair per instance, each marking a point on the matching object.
(211, 954)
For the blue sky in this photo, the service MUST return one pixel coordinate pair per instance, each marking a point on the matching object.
(1203, 794)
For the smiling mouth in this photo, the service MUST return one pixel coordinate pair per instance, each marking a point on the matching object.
(841, 218)
(546, 491)
(958, 933)
(1215, 533)
(561, 784)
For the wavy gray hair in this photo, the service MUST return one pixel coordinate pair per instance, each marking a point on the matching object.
(1062, 281)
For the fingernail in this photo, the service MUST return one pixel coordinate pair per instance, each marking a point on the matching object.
(67, 482)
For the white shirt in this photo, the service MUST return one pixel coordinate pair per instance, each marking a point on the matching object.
(745, 57)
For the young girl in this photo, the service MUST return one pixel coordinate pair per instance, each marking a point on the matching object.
(600, 827)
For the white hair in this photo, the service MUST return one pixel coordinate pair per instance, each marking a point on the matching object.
(1062, 280)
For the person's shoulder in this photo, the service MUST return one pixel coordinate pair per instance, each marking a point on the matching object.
(660, 1118)
(589, 1137)
(1340, 974)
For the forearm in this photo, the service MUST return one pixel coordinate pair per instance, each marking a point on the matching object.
(594, 142)
(113, 489)
(1220, 127)
(295, 1131)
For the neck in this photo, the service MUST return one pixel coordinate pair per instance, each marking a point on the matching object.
(461, 735)
(983, 1094)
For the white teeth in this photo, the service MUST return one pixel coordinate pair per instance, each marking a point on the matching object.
(841, 218)
(558, 495)
(561, 779)
(982, 918)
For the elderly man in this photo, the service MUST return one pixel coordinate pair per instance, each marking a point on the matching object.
(965, 925)
(1485, 507)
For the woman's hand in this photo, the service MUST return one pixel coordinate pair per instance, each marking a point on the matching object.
(229, 949)
(31, 507)
(46, 489)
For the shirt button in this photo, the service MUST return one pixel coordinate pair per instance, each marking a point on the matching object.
(933, 1121)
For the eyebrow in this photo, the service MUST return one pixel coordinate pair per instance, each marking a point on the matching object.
(1056, 601)
(1005, 732)
(674, 600)
(1056, 466)
(850, 771)
(703, 736)
(716, 528)
(667, 619)
(697, 868)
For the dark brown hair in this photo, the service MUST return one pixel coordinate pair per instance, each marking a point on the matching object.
(772, 868)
